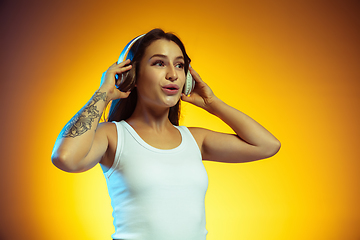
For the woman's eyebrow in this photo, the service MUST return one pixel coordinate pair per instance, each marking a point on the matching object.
(165, 56)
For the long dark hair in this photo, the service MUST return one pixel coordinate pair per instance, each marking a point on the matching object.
(122, 109)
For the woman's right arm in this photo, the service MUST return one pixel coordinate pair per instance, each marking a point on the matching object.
(83, 141)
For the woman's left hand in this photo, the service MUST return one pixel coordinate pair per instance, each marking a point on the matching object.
(202, 95)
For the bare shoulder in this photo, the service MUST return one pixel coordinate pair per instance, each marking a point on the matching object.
(106, 126)
(199, 134)
(108, 130)
(197, 131)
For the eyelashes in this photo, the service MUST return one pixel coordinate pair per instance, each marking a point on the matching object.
(161, 63)
(158, 63)
(181, 65)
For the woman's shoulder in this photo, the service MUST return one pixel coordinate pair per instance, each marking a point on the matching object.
(107, 128)
(198, 130)
(198, 134)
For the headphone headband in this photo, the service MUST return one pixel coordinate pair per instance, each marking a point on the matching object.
(125, 51)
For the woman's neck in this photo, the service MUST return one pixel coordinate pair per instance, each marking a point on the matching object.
(156, 118)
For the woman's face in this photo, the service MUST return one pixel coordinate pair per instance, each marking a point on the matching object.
(161, 76)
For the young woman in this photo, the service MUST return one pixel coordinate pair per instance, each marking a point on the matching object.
(153, 167)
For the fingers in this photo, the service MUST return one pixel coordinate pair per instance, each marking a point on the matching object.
(116, 68)
(185, 98)
(195, 75)
(122, 67)
(123, 94)
(201, 88)
(124, 64)
(127, 61)
(108, 78)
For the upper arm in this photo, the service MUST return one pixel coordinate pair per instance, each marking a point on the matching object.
(98, 148)
(79, 156)
(230, 148)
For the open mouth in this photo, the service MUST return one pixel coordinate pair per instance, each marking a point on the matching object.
(171, 89)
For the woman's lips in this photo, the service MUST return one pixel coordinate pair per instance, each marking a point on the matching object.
(171, 89)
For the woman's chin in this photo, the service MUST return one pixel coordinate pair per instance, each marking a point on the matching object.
(170, 102)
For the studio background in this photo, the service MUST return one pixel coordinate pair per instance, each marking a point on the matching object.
(291, 65)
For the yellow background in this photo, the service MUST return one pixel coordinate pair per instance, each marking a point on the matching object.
(291, 65)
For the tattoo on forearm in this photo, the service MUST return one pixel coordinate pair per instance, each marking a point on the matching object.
(83, 120)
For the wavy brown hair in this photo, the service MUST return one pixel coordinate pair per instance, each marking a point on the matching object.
(122, 109)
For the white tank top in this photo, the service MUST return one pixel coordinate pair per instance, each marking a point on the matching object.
(157, 194)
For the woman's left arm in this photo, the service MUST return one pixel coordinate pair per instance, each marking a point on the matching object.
(251, 142)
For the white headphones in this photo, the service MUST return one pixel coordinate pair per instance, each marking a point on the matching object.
(189, 82)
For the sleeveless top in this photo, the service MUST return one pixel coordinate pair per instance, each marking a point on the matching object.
(157, 194)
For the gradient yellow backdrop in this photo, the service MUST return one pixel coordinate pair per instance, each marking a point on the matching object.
(291, 65)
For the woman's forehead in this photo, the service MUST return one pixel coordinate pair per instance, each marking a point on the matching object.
(163, 47)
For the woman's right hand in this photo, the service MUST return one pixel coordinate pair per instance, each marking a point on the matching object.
(108, 81)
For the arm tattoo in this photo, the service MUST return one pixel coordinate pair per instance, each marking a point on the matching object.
(83, 120)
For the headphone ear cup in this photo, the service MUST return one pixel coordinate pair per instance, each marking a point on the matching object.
(120, 78)
(127, 80)
(189, 84)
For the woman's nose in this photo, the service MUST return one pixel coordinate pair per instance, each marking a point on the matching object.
(171, 74)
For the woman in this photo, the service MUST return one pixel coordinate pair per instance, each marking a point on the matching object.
(153, 167)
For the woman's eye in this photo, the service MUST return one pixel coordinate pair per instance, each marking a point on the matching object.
(159, 63)
(180, 65)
